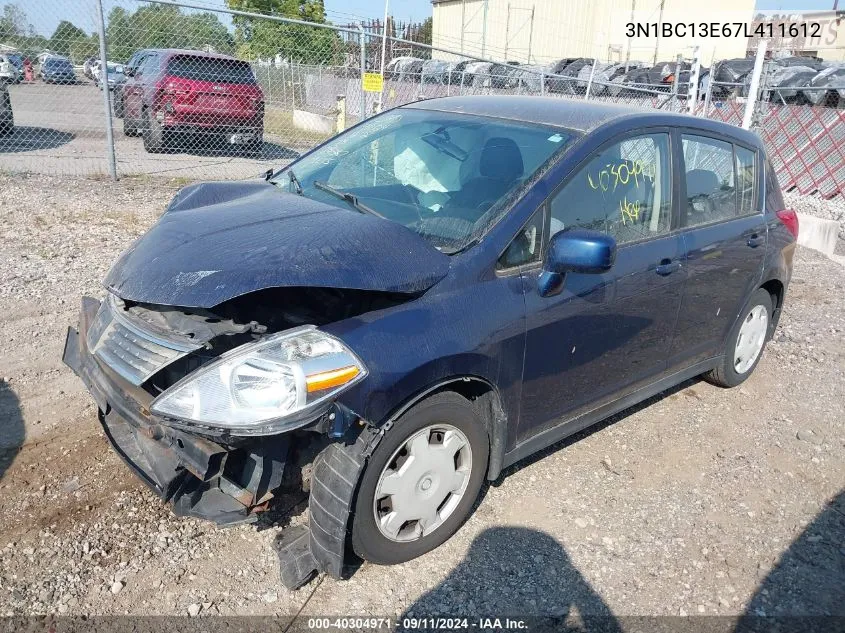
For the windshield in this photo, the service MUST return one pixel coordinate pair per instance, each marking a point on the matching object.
(446, 176)
(229, 71)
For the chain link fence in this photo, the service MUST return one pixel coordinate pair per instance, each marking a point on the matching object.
(187, 90)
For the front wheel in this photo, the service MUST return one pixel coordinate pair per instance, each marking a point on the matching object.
(421, 482)
(746, 342)
(152, 134)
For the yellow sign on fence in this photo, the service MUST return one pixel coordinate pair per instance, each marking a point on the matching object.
(372, 82)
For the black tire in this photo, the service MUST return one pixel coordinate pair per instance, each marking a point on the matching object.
(130, 127)
(445, 408)
(725, 374)
(152, 134)
(117, 105)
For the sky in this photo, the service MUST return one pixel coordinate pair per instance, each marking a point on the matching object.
(46, 14)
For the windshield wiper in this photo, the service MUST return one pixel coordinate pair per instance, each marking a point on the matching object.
(295, 182)
(351, 198)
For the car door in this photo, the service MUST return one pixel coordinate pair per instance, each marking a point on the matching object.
(725, 233)
(134, 93)
(605, 334)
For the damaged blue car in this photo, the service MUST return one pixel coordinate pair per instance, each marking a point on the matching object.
(424, 300)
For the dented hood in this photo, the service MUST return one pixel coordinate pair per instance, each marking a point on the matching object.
(217, 241)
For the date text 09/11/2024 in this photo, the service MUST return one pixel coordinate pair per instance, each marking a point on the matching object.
(823, 31)
(420, 623)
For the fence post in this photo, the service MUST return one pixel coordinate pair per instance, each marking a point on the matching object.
(755, 85)
(363, 70)
(104, 74)
(543, 83)
(590, 80)
(679, 60)
(692, 90)
(340, 114)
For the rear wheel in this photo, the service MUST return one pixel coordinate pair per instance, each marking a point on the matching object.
(746, 342)
(153, 134)
(421, 482)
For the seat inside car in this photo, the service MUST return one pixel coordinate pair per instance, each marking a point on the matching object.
(500, 166)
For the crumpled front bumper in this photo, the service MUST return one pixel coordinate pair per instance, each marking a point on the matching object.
(201, 477)
(227, 483)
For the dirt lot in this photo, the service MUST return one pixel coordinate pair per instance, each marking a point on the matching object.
(704, 501)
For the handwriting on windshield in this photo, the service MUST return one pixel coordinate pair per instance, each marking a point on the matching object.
(622, 173)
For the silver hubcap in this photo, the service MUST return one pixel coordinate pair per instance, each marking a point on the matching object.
(423, 482)
(752, 334)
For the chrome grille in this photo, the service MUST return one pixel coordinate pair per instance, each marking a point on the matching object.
(127, 348)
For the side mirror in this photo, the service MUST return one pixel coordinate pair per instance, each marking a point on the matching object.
(578, 251)
(129, 71)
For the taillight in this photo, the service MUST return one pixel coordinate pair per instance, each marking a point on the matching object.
(174, 89)
(790, 221)
(669, 79)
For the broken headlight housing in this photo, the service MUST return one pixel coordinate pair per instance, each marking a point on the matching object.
(268, 386)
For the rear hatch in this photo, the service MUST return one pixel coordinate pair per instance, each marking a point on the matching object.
(211, 91)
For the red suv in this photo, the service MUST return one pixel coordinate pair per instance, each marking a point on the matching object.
(174, 93)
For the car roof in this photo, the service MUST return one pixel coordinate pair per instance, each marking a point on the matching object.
(581, 116)
(172, 52)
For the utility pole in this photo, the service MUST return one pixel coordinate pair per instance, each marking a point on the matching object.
(507, 30)
(531, 34)
(659, 28)
(463, 22)
(484, 31)
(628, 54)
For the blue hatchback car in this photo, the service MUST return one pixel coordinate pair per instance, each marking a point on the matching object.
(424, 300)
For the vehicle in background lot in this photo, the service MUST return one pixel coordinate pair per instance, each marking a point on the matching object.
(457, 76)
(114, 76)
(435, 71)
(826, 88)
(7, 118)
(557, 83)
(177, 93)
(604, 75)
(128, 68)
(423, 301)
(88, 67)
(477, 74)
(394, 68)
(9, 71)
(57, 70)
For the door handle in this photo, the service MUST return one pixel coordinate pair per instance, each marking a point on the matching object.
(755, 240)
(667, 267)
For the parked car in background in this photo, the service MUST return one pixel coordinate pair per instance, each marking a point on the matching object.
(827, 87)
(425, 300)
(558, 83)
(393, 69)
(7, 118)
(57, 70)
(128, 68)
(177, 94)
(457, 74)
(9, 71)
(114, 76)
(88, 67)
(604, 75)
(435, 71)
(477, 74)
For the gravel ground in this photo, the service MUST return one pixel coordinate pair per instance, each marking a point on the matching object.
(701, 501)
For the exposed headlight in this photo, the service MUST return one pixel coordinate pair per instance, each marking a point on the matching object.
(264, 387)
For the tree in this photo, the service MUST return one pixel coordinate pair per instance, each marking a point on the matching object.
(64, 36)
(14, 24)
(424, 32)
(84, 47)
(296, 42)
(161, 26)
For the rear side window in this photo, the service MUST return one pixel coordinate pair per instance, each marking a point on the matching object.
(711, 189)
(624, 191)
(149, 65)
(228, 71)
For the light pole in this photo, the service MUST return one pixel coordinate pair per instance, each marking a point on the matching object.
(383, 51)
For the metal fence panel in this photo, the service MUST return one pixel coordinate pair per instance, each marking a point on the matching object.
(246, 92)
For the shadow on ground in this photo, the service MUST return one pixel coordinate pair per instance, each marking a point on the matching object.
(809, 578)
(269, 151)
(519, 573)
(12, 431)
(23, 138)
